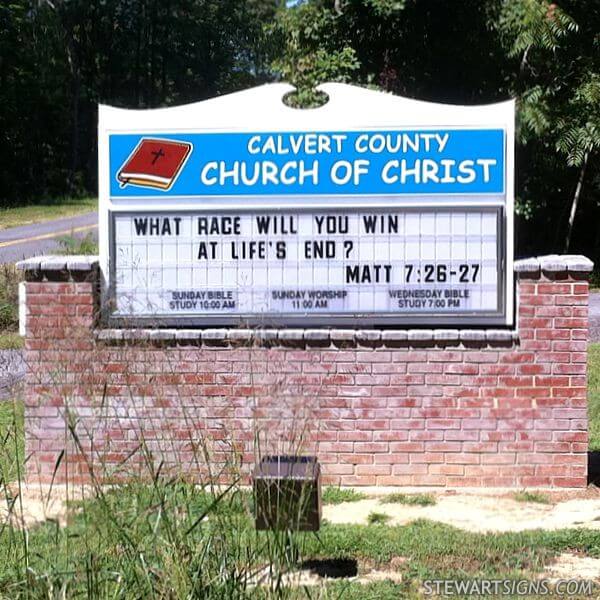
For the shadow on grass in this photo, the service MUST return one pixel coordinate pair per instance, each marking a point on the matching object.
(594, 468)
(332, 567)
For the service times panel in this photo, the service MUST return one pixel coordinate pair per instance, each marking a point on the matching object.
(384, 265)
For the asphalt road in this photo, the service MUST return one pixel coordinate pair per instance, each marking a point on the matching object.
(17, 243)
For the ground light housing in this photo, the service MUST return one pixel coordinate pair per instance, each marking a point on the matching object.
(287, 492)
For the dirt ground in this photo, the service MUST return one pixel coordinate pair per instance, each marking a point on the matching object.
(28, 506)
(572, 566)
(479, 513)
(475, 512)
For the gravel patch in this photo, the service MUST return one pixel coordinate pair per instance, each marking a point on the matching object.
(12, 371)
(594, 316)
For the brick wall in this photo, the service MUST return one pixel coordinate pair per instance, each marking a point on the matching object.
(465, 410)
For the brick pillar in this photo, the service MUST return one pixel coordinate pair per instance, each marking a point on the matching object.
(61, 307)
(553, 296)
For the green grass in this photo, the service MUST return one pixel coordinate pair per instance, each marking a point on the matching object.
(11, 340)
(45, 211)
(140, 541)
(410, 499)
(337, 495)
(9, 308)
(537, 497)
(12, 441)
(594, 396)
(377, 518)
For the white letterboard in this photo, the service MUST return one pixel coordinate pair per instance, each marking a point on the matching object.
(371, 210)
(282, 264)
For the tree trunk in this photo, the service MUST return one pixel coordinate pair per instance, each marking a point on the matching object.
(575, 201)
(75, 73)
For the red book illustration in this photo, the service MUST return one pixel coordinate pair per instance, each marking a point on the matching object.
(154, 163)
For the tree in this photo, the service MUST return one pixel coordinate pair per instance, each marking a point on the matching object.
(60, 58)
(558, 81)
(311, 50)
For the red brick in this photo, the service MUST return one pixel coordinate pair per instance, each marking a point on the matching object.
(536, 300)
(568, 482)
(555, 288)
(426, 435)
(392, 459)
(427, 458)
(435, 469)
(518, 357)
(570, 369)
(535, 323)
(373, 470)
(462, 368)
(537, 369)
(463, 458)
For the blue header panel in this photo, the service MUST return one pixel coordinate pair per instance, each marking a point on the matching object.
(390, 162)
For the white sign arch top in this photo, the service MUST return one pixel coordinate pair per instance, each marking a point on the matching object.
(372, 209)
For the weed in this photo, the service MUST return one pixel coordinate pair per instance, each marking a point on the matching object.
(72, 245)
(11, 340)
(377, 518)
(525, 496)
(410, 499)
(594, 396)
(337, 495)
(9, 297)
(11, 441)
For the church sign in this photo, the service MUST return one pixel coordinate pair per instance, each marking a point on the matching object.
(371, 210)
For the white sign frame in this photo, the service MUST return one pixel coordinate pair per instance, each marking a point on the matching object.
(349, 108)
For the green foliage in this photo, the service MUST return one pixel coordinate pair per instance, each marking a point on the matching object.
(60, 58)
(12, 444)
(594, 396)
(9, 297)
(537, 33)
(557, 70)
(409, 499)
(337, 495)
(72, 245)
(386, 8)
(536, 497)
(579, 130)
(310, 52)
(534, 24)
